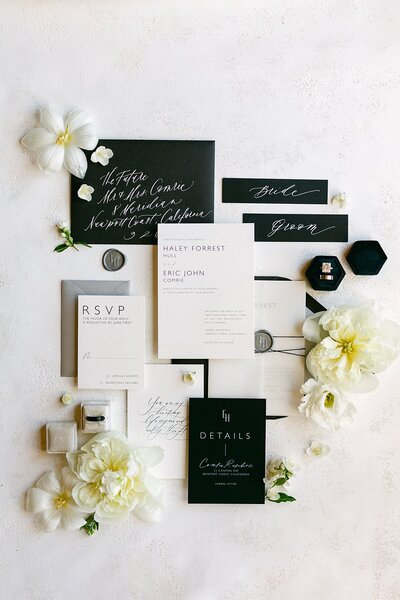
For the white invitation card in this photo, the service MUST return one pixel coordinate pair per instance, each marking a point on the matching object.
(111, 342)
(205, 291)
(159, 414)
(278, 373)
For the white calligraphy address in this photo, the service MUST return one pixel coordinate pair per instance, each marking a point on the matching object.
(134, 199)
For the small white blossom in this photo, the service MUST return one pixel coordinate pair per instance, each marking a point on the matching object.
(325, 405)
(62, 225)
(102, 155)
(189, 377)
(339, 201)
(85, 192)
(317, 449)
(67, 399)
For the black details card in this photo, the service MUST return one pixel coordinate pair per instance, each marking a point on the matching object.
(298, 228)
(226, 450)
(275, 191)
(146, 182)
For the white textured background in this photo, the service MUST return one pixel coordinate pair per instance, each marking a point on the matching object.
(305, 88)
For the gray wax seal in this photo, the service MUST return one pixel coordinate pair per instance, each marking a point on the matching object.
(113, 260)
(263, 341)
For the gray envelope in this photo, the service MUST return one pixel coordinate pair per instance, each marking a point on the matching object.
(70, 290)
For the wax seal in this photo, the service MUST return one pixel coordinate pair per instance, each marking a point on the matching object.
(263, 341)
(113, 260)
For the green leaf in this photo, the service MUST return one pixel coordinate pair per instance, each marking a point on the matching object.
(284, 498)
(280, 481)
(83, 244)
(60, 248)
(91, 525)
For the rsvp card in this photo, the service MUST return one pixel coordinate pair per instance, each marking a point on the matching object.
(111, 342)
(226, 450)
(159, 414)
(205, 291)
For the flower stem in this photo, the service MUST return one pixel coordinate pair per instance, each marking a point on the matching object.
(91, 525)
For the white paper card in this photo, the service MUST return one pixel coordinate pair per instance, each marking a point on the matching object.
(276, 375)
(111, 342)
(205, 291)
(159, 415)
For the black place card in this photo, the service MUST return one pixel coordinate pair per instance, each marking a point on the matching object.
(298, 228)
(146, 182)
(275, 191)
(226, 450)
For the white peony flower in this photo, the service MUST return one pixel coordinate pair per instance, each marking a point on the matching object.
(317, 449)
(324, 404)
(58, 143)
(85, 192)
(339, 201)
(102, 155)
(51, 500)
(189, 377)
(352, 345)
(114, 479)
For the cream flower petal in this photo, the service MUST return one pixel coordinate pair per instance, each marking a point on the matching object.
(85, 137)
(75, 161)
(51, 159)
(38, 500)
(153, 486)
(52, 120)
(311, 328)
(150, 456)
(77, 118)
(68, 480)
(71, 518)
(37, 139)
(49, 483)
(49, 519)
(149, 512)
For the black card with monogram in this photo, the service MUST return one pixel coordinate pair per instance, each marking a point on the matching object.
(275, 191)
(145, 182)
(226, 450)
(298, 228)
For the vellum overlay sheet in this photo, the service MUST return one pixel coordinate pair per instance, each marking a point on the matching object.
(159, 414)
(278, 373)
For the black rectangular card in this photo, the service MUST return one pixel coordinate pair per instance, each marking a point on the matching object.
(226, 450)
(298, 228)
(146, 182)
(275, 191)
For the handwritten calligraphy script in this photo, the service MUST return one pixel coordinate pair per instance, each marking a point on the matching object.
(298, 228)
(275, 191)
(173, 184)
(167, 418)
